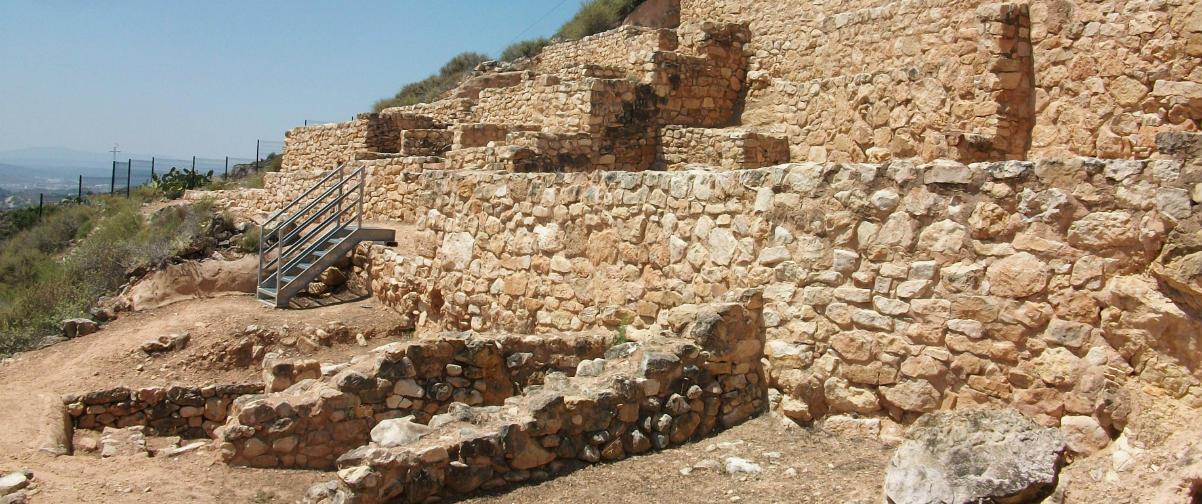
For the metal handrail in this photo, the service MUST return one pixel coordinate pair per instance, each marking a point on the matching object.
(278, 213)
(298, 232)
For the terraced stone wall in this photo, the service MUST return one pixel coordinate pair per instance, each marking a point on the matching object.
(889, 288)
(1108, 75)
(972, 103)
(725, 149)
(626, 48)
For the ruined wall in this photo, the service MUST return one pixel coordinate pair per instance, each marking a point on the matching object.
(330, 416)
(700, 84)
(1110, 75)
(626, 48)
(323, 146)
(189, 412)
(681, 387)
(890, 287)
(1127, 69)
(725, 149)
(969, 99)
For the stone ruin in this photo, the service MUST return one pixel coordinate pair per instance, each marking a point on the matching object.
(879, 210)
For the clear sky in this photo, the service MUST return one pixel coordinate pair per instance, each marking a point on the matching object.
(208, 78)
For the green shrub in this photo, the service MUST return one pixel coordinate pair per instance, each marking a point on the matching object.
(60, 267)
(173, 183)
(524, 49)
(250, 240)
(432, 87)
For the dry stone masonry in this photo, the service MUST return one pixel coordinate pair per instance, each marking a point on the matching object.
(942, 205)
(189, 412)
(668, 390)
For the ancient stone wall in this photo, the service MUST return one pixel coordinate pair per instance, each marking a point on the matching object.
(425, 142)
(1110, 75)
(726, 149)
(323, 146)
(893, 287)
(189, 412)
(626, 48)
(1127, 69)
(936, 105)
(703, 377)
(469, 135)
(327, 417)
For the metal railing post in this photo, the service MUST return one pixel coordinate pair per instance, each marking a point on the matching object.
(113, 179)
(129, 169)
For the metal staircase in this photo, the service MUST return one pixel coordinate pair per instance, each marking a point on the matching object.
(311, 233)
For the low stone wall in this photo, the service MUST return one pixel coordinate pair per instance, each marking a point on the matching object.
(685, 385)
(425, 142)
(719, 148)
(313, 422)
(323, 146)
(188, 412)
(626, 48)
(480, 134)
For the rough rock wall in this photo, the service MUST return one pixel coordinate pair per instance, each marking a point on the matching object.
(1110, 75)
(324, 417)
(887, 287)
(323, 146)
(626, 48)
(967, 99)
(190, 412)
(723, 149)
(1125, 68)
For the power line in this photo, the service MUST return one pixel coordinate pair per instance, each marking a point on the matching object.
(536, 22)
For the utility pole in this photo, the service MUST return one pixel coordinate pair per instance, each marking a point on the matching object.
(115, 151)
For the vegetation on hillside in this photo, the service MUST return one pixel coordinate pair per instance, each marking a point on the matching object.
(594, 16)
(430, 88)
(60, 266)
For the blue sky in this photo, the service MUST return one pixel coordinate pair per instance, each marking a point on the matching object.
(176, 78)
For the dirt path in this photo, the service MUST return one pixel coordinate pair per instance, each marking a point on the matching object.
(112, 357)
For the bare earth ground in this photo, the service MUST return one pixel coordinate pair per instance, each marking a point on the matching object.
(828, 469)
(805, 465)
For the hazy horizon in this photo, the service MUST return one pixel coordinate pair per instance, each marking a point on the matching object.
(177, 80)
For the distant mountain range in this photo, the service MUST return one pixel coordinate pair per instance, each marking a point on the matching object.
(53, 167)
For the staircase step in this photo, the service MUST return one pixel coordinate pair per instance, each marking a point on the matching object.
(266, 291)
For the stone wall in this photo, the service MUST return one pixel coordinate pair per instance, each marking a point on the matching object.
(326, 417)
(1110, 75)
(679, 147)
(626, 48)
(189, 412)
(972, 107)
(1125, 68)
(425, 142)
(467, 135)
(326, 146)
(682, 386)
(323, 146)
(894, 287)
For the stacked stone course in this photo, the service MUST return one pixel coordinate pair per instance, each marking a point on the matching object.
(315, 420)
(189, 412)
(683, 385)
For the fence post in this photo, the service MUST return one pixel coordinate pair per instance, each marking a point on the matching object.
(151, 167)
(113, 179)
(79, 197)
(193, 163)
(129, 165)
(256, 155)
(227, 167)
(41, 200)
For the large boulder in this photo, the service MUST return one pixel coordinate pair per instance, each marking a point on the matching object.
(974, 456)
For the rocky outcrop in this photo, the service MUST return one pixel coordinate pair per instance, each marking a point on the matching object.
(974, 456)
